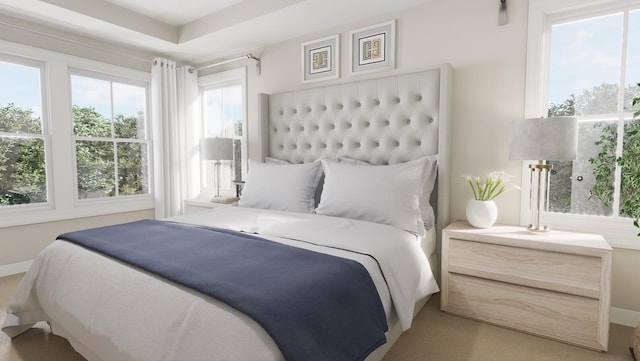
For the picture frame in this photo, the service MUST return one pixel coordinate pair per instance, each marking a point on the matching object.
(372, 48)
(321, 59)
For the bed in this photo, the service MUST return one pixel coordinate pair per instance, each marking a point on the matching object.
(313, 195)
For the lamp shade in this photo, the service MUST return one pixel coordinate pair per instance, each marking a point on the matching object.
(216, 148)
(554, 138)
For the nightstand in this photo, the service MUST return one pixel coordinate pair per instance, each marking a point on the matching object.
(555, 285)
(201, 204)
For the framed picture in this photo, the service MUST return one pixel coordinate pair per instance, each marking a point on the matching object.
(373, 48)
(321, 59)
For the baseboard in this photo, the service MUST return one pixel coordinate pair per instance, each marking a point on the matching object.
(624, 317)
(14, 268)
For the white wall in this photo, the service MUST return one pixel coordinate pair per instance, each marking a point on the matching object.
(489, 84)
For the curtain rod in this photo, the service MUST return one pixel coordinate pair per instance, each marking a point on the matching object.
(244, 57)
(74, 41)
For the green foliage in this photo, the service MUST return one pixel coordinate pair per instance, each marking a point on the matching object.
(605, 161)
(22, 165)
(22, 159)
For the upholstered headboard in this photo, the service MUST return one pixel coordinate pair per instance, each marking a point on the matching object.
(382, 121)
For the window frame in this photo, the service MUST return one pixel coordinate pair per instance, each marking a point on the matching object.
(62, 189)
(44, 134)
(147, 140)
(619, 232)
(216, 81)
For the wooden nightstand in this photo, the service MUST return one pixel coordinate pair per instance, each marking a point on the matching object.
(555, 285)
(201, 204)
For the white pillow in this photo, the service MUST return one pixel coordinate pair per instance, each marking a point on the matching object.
(388, 194)
(283, 187)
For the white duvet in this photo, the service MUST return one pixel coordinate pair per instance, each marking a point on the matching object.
(110, 311)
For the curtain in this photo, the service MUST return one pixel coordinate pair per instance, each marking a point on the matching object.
(173, 96)
(166, 138)
(189, 119)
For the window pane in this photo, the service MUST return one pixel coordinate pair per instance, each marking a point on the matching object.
(95, 165)
(232, 111)
(132, 169)
(91, 100)
(213, 113)
(630, 167)
(20, 99)
(633, 62)
(585, 64)
(129, 109)
(22, 171)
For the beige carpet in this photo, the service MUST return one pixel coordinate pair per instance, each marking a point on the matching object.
(434, 336)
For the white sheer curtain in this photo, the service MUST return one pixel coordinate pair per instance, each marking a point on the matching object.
(171, 104)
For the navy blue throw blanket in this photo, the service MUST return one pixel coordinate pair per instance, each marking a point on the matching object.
(314, 306)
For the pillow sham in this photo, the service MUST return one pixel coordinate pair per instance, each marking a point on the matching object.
(388, 194)
(283, 187)
(316, 196)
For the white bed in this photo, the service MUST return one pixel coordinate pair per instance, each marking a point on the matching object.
(109, 310)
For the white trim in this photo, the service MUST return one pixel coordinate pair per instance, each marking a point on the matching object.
(15, 268)
(624, 317)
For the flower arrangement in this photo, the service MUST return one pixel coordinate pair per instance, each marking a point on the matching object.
(491, 186)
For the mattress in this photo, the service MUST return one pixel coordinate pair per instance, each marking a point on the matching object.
(109, 310)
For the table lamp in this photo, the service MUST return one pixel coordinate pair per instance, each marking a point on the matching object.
(217, 149)
(542, 139)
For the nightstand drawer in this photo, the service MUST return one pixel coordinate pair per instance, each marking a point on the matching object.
(570, 318)
(560, 272)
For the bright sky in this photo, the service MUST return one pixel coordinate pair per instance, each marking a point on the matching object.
(21, 84)
(588, 53)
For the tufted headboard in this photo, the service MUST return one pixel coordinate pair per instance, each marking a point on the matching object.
(382, 121)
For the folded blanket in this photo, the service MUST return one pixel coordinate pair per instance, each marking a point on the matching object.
(315, 306)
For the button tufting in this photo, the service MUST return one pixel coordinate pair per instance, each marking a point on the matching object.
(333, 126)
(358, 104)
(316, 127)
(357, 145)
(419, 97)
(282, 112)
(377, 102)
(367, 124)
(396, 143)
(309, 110)
(340, 106)
(431, 120)
(324, 107)
(339, 145)
(295, 111)
(377, 144)
(408, 121)
(397, 100)
(419, 142)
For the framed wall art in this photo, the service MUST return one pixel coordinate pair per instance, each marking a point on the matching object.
(373, 48)
(321, 59)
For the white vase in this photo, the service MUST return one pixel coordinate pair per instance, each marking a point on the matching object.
(482, 214)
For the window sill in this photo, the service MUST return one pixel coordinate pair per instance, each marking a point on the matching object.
(33, 214)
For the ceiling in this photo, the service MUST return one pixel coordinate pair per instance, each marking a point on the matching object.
(197, 31)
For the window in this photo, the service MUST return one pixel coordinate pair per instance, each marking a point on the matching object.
(23, 140)
(589, 67)
(109, 124)
(74, 138)
(223, 115)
